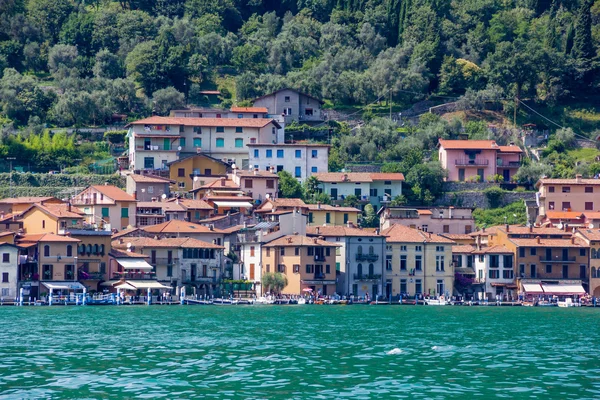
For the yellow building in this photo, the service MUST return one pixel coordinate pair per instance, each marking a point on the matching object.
(306, 262)
(200, 166)
(107, 207)
(92, 256)
(327, 215)
(17, 205)
(51, 218)
(592, 238)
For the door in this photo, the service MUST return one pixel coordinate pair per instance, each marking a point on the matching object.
(147, 144)
(565, 254)
(481, 175)
(388, 290)
(461, 174)
(167, 144)
(374, 292)
(565, 272)
(533, 272)
(204, 271)
(334, 193)
(192, 272)
(582, 272)
(506, 175)
(252, 272)
(548, 254)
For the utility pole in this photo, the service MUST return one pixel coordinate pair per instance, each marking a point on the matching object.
(10, 159)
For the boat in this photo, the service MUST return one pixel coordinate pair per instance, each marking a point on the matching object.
(197, 302)
(263, 301)
(436, 302)
(568, 302)
(225, 302)
(544, 303)
(301, 300)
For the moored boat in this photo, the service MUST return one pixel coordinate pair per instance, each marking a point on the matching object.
(568, 302)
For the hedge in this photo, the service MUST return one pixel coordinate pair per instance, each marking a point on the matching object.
(59, 180)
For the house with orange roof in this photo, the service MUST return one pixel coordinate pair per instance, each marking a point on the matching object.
(274, 205)
(299, 159)
(328, 215)
(495, 272)
(51, 218)
(591, 236)
(156, 212)
(376, 188)
(440, 220)
(176, 228)
(148, 187)
(154, 142)
(107, 207)
(420, 263)
(196, 170)
(10, 222)
(16, 205)
(478, 159)
(195, 210)
(9, 271)
(257, 184)
(576, 195)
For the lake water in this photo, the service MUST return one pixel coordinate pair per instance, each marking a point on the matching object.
(299, 352)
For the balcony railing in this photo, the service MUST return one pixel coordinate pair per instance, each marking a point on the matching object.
(247, 237)
(508, 164)
(131, 275)
(200, 279)
(163, 261)
(367, 257)
(154, 147)
(561, 259)
(319, 276)
(319, 257)
(90, 276)
(367, 277)
(467, 161)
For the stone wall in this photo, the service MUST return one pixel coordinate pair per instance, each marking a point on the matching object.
(479, 199)
(467, 186)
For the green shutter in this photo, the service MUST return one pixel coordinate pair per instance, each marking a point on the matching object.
(104, 212)
(124, 212)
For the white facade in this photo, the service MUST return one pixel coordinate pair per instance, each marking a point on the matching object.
(374, 188)
(300, 160)
(497, 272)
(9, 259)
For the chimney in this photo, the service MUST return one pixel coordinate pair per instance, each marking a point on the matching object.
(578, 178)
(377, 231)
(507, 228)
(537, 239)
(318, 205)
(531, 228)
(121, 241)
(349, 224)
(272, 169)
(345, 178)
(105, 183)
(566, 227)
(177, 200)
(211, 227)
(289, 239)
(318, 230)
(222, 181)
(315, 240)
(483, 229)
(68, 207)
(255, 171)
(572, 239)
(478, 242)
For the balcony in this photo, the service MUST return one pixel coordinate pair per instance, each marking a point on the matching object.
(559, 260)
(468, 162)
(90, 276)
(163, 261)
(367, 257)
(367, 277)
(508, 164)
(200, 279)
(247, 237)
(319, 257)
(132, 275)
(153, 147)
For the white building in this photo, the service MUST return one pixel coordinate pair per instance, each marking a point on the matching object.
(9, 261)
(156, 141)
(299, 159)
(494, 266)
(375, 188)
(359, 259)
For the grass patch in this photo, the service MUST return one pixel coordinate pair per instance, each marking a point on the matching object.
(584, 154)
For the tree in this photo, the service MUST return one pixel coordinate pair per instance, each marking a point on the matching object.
(165, 100)
(311, 188)
(370, 220)
(583, 45)
(426, 182)
(274, 282)
(107, 65)
(49, 16)
(62, 61)
(289, 187)
(530, 174)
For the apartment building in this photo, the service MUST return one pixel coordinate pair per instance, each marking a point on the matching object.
(195, 170)
(51, 218)
(293, 105)
(568, 195)
(299, 159)
(259, 185)
(9, 271)
(106, 207)
(440, 220)
(592, 238)
(328, 215)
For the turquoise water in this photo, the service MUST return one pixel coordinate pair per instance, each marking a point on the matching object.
(299, 352)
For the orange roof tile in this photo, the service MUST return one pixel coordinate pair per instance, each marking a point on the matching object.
(149, 179)
(520, 229)
(207, 122)
(590, 234)
(249, 110)
(164, 205)
(328, 207)
(403, 234)
(497, 249)
(143, 242)
(58, 210)
(563, 214)
(113, 192)
(548, 242)
(47, 237)
(547, 181)
(468, 144)
(125, 254)
(424, 212)
(591, 214)
(125, 232)
(257, 174)
(457, 236)
(462, 249)
(177, 226)
(221, 184)
(387, 176)
(191, 204)
(27, 200)
(341, 177)
(340, 231)
(510, 149)
(299, 241)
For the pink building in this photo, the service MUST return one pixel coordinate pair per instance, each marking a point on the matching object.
(465, 159)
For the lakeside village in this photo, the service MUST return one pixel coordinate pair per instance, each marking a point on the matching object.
(232, 240)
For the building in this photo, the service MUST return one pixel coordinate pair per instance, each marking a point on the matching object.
(592, 239)
(440, 220)
(481, 160)
(155, 142)
(417, 263)
(308, 263)
(92, 256)
(374, 188)
(233, 112)
(10, 222)
(568, 195)
(195, 210)
(299, 159)
(360, 259)
(271, 205)
(106, 207)
(494, 269)
(196, 170)
(148, 187)
(9, 271)
(259, 185)
(176, 228)
(328, 215)
(156, 212)
(293, 105)
(16, 205)
(51, 218)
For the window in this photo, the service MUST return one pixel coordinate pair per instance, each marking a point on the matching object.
(280, 153)
(239, 142)
(181, 172)
(69, 251)
(551, 205)
(296, 251)
(46, 251)
(548, 269)
(551, 189)
(270, 184)
(308, 111)
(313, 170)
(124, 212)
(494, 274)
(239, 129)
(418, 286)
(240, 115)
(373, 192)
(296, 268)
(269, 153)
(357, 192)
(256, 153)
(533, 270)
(424, 228)
(197, 142)
(181, 185)
(298, 172)
(268, 252)
(47, 272)
(345, 217)
(327, 269)
(220, 142)
(566, 189)
(220, 129)
(439, 248)
(589, 189)
(521, 251)
(582, 252)
(149, 162)
(169, 270)
(310, 217)
(298, 153)
(313, 153)
(589, 206)
(402, 248)
(5, 257)
(182, 142)
(281, 268)
(388, 262)
(533, 251)
(566, 205)
(446, 228)
(403, 263)
(418, 263)
(251, 251)
(282, 251)
(310, 268)
(418, 248)
(439, 263)
(286, 99)
(327, 218)
(5, 277)
(248, 183)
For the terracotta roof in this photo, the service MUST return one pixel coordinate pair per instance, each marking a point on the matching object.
(457, 236)
(563, 214)
(113, 192)
(58, 210)
(216, 184)
(293, 90)
(469, 144)
(143, 242)
(249, 110)
(26, 200)
(191, 204)
(166, 206)
(339, 231)
(463, 248)
(8, 218)
(212, 197)
(328, 207)
(548, 242)
(488, 231)
(233, 229)
(590, 234)
(215, 218)
(520, 229)
(281, 202)
(510, 149)
(403, 234)
(497, 249)
(149, 179)
(299, 241)
(547, 181)
(424, 212)
(387, 176)
(341, 177)
(125, 232)
(207, 122)
(177, 226)
(125, 254)
(591, 214)
(47, 237)
(257, 174)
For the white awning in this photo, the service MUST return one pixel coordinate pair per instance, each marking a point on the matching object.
(563, 290)
(148, 285)
(129, 263)
(64, 285)
(125, 286)
(533, 288)
(240, 204)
